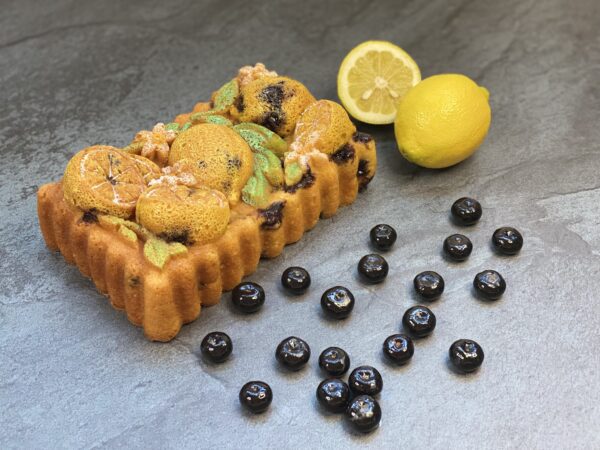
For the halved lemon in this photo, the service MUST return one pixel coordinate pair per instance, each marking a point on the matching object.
(373, 78)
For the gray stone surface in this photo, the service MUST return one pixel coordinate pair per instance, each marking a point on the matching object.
(74, 373)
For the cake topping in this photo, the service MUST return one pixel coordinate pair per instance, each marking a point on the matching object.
(224, 98)
(107, 180)
(248, 74)
(155, 144)
(324, 126)
(275, 103)
(194, 215)
(216, 155)
(268, 172)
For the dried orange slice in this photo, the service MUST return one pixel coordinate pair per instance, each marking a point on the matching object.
(373, 78)
(107, 180)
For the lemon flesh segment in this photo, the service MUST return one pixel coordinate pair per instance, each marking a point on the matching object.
(373, 78)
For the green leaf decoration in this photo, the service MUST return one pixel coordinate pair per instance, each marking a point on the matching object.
(118, 222)
(209, 117)
(225, 96)
(259, 137)
(128, 234)
(256, 190)
(157, 252)
(293, 173)
(173, 126)
(267, 147)
(177, 248)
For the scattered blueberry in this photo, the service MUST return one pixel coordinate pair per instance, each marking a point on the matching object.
(293, 353)
(458, 247)
(489, 284)
(466, 355)
(248, 297)
(429, 284)
(256, 396)
(373, 268)
(419, 320)
(216, 346)
(383, 237)
(507, 240)
(296, 280)
(398, 348)
(335, 361)
(364, 413)
(466, 211)
(337, 302)
(333, 394)
(365, 380)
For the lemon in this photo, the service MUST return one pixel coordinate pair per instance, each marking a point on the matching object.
(442, 120)
(373, 77)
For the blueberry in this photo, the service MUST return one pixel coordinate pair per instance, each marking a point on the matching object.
(256, 396)
(373, 268)
(248, 297)
(383, 237)
(335, 361)
(365, 380)
(333, 394)
(489, 284)
(507, 240)
(458, 247)
(419, 320)
(296, 280)
(337, 302)
(293, 353)
(398, 348)
(364, 413)
(216, 346)
(466, 211)
(429, 284)
(466, 355)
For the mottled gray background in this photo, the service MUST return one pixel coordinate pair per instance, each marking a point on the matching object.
(74, 373)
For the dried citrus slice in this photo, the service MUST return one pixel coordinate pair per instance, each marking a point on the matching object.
(373, 78)
(107, 180)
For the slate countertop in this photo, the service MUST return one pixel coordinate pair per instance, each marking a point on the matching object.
(75, 374)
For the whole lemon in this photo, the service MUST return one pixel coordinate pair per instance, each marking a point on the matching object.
(442, 120)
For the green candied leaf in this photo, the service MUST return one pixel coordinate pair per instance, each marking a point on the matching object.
(176, 248)
(273, 171)
(128, 234)
(173, 126)
(210, 117)
(258, 136)
(256, 190)
(218, 120)
(157, 252)
(201, 116)
(118, 222)
(254, 140)
(293, 173)
(185, 126)
(226, 95)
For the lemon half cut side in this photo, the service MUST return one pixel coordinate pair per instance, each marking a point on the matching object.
(373, 78)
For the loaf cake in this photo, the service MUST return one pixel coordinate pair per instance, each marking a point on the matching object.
(167, 223)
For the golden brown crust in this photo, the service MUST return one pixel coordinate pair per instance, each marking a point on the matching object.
(161, 301)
